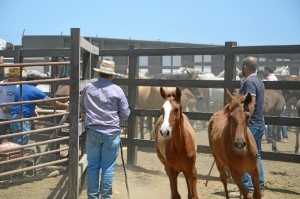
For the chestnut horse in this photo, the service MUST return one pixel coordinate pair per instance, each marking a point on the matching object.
(148, 97)
(176, 145)
(232, 144)
(292, 98)
(274, 102)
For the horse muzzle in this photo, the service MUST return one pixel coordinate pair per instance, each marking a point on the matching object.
(165, 133)
(239, 144)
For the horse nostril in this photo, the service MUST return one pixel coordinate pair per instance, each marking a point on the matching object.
(164, 132)
(239, 144)
(244, 143)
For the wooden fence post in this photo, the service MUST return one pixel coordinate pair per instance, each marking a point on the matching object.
(74, 114)
(131, 124)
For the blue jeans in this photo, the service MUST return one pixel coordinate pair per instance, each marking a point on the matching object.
(3, 129)
(257, 132)
(16, 128)
(102, 152)
(282, 128)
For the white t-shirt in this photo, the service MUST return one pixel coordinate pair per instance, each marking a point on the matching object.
(7, 94)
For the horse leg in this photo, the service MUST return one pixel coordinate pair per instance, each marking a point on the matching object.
(274, 147)
(297, 140)
(239, 182)
(255, 181)
(142, 125)
(223, 178)
(173, 174)
(191, 181)
(150, 124)
(152, 132)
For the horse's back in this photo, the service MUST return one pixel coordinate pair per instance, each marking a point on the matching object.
(148, 97)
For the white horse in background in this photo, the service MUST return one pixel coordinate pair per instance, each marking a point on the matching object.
(284, 70)
(222, 74)
(216, 95)
(200, 74)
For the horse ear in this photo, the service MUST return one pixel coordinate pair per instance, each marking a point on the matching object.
(247, 101)
(162, 93)
(228, 94)
(189, 73)
(178, 93)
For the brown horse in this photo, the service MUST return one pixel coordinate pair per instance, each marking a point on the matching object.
(292, 99)
(176, 145)
(232, 144)
(148, 97)
(273, 104)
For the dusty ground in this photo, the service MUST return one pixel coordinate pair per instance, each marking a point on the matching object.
(147, 180)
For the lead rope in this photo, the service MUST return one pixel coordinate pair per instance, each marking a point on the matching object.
(126, 182)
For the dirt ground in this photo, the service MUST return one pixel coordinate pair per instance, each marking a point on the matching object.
(148, 180)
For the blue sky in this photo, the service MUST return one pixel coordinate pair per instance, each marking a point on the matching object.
(250, 23)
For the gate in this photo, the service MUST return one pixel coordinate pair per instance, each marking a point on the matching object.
(61, 127)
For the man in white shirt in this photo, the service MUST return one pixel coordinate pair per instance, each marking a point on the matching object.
(7, 94)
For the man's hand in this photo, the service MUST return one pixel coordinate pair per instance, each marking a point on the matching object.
(82, 115)
(5, 109)
(67, 105)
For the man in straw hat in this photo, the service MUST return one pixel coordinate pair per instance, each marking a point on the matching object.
(29, 93)
(102, 105)
(7, 94)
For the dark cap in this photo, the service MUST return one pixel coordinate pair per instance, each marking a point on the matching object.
(270, 68)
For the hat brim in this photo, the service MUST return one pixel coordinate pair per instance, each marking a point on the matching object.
(24, 74)
(105, 71)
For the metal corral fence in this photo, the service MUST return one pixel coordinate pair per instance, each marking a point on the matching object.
(58, 131)
(230, 51)
(83, 51)
(51, 123)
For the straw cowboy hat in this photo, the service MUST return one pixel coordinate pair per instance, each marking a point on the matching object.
(15, 72)
(107, 67)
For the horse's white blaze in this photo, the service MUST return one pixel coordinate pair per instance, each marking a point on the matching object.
(165, 125)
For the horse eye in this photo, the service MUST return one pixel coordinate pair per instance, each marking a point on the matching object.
(176, 110)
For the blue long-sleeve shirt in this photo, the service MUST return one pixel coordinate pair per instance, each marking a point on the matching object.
(103, 103)
(29, 92)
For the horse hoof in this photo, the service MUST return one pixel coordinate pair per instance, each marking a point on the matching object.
(274, 149)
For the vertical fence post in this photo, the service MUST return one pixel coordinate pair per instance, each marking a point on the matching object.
(74, 114)
(17, 54)
(131, 148)
(229, 65)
